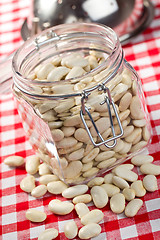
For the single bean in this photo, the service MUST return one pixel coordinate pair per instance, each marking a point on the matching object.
(56, 187)
(120, 182)
(60, 208)
(117, 203)
(44, 70)
(84, 198)
(14, 161)
(110, 189)
(35, 215)
(91, 172)
(104, 156)
(129, 193)
(32, 164)
(45, 179)
(72, 170)
(89, 231)
(108, 178)
(140, 191)
(94, 216)
(48, 234)
(141, 159)
(97, 181)
(70, 229)
(138, 146)
(67, 142)
(28, 184)
(99, 196)
(106, 163)
(150, 168)
(74, 191)
(57, 135)
(44, 169)
(92, 155)
(81, 209)
(127, 175)
(133, 207)
(135, 108)
(57, 73)
(39, 191)
(150, 183)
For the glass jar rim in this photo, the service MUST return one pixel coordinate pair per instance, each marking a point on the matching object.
(36, 42)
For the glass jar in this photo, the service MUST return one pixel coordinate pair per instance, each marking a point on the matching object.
(81, 103)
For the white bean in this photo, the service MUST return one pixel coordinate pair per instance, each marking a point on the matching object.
(138, 146)
(125, 101)
(35, 215)
(43, 169)
(32, 164)
(97, 181)
(133, 207)
(43, 72)
(68, 131)
(129, 193)
(45, 179)
(135, 108)
(70, 229)
(74, 191)
(150, 183)
(60, 208)
(106, 163)
(120, 182)
(39, 191)
(76, 155)
(140, 191)
(92, 155)
(67, 142)
(149, 168)
(127, 175)
(81, 209)
(57, 135)
(75, 72)
(94, 216)
(91, 172)
(89, 231)
(108, 178)
(56, 187)
(81, 135)
(84, 198)
(117, 203)
(141, 159)
(14, 161)
(48, 234)
(57, 73)
(104, 156)
(72, 170)
(99, 196)
(110, 189)
(27, 184)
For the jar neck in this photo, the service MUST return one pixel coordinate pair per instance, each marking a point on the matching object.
(105, 42)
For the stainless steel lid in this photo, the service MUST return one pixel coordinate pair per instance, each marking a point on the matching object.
(127, 18)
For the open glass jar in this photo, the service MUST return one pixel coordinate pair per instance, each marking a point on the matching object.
(81, 103)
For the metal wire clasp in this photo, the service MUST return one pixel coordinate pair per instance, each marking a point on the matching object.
(85, 110)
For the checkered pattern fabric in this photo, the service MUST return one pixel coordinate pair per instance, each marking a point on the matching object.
(143, 53)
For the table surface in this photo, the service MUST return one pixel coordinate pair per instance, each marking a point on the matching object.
(143, 53)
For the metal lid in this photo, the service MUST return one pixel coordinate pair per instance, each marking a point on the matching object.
(127, 18)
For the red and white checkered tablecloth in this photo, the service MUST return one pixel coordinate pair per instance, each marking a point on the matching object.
(144, 55)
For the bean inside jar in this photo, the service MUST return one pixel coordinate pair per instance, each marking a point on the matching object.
(70, 152)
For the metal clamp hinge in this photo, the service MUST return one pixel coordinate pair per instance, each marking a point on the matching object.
(85, 110)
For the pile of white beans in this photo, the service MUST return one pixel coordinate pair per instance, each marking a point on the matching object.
(121, 186)
(79, 159)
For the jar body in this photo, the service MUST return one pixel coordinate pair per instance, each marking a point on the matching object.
(60, 117)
